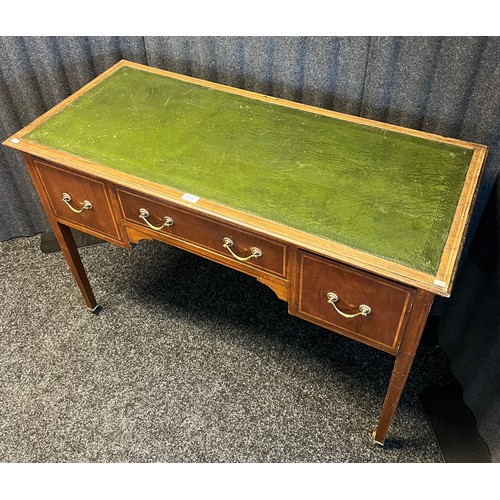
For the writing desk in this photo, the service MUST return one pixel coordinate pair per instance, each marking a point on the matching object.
(356, 224)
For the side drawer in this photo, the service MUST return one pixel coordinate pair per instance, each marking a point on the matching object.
(358, 304)
(204, 232)
(77, 198)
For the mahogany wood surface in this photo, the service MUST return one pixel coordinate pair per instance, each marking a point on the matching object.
(205, 232)
(57, 181)
(389, 302)
(64, 237)
(404, 359)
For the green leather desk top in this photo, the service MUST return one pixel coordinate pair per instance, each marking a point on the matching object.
(386, 193)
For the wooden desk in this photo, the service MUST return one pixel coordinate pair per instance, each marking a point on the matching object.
(356, 224)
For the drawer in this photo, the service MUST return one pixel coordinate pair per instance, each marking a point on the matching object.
(358, 304)
(226, 239)
(77, 198)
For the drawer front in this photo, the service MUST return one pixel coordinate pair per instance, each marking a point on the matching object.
(269, 254)
(77, 198)
(352, 302)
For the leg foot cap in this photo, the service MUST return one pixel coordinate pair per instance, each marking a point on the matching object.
(97, 309)
(375, 441)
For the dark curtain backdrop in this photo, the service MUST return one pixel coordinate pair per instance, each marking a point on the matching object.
(444, 85)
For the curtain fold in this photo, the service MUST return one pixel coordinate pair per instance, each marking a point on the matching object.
(469, 331)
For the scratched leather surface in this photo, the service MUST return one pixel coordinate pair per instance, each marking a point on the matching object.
(382, 192)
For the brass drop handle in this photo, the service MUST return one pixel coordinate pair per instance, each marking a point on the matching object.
(228, 243)
(144, 214)
(85, 206)
(364, 310)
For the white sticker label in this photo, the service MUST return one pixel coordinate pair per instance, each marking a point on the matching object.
(190, 197)
(439, 283)
(15, 141)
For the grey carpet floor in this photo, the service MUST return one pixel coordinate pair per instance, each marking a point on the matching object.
(188, 362)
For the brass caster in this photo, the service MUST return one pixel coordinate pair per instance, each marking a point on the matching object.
(97, 309)
(374, 440)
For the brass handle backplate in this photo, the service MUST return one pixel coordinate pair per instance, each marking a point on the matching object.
(85, 206)
(364, 310)
(144, 214)
(255, 252)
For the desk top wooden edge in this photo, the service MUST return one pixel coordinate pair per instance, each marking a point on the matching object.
(441, 283)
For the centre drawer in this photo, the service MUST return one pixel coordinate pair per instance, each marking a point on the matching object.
(353, 302)
(237, 244)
